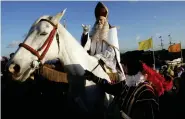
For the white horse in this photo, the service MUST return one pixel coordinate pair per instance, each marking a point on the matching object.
(47, 30)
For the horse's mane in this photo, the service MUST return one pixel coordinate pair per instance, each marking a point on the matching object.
(62, 29)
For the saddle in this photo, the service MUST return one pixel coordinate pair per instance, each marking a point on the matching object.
(52, 73)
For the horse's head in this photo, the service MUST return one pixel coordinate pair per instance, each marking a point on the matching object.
(39, 46)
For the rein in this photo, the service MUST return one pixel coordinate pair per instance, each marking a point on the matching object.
(101, 63)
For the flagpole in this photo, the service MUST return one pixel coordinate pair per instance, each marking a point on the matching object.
(181, 54)
(153, 53)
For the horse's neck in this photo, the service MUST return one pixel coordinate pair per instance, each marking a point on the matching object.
(72, 54)
(75, 58)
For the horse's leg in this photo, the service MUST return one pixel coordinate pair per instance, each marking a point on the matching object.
(81, 104)
(76, 94)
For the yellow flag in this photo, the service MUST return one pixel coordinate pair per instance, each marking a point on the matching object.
(146, 44)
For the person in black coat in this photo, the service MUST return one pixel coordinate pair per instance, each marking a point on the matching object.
(137, 96)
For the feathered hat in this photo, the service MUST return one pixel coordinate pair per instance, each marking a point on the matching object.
(158, 81)
(101, 10)
(133, 60)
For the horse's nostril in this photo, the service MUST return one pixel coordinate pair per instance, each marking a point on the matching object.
(14, 68)
(17, 68)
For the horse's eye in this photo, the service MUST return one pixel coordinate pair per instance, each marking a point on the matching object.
(43, 33)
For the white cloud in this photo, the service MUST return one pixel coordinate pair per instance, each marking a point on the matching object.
(138, 38)
(14, 44)
(157, 34)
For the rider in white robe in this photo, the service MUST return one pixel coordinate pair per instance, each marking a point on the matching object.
(102, 41)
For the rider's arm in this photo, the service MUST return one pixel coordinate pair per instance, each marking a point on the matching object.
(86, 41)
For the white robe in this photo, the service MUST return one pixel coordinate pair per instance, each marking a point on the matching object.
(107, 50)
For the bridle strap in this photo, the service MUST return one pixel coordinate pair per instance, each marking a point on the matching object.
(55, 26)
(47, 43)
(33, 51)
(49, 22)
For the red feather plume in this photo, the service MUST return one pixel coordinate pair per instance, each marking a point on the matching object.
(158, 81)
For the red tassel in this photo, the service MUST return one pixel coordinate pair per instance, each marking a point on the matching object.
(158, 81)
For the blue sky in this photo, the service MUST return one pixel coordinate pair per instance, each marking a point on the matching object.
(137, 20)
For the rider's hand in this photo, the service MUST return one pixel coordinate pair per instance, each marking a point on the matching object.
(86, 28)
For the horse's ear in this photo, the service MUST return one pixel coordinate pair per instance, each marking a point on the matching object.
(56, 19)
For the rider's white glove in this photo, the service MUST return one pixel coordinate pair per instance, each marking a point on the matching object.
(86, 28)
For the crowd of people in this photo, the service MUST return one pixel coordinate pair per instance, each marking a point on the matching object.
(143, 93)
(173, 99)
(173, 70)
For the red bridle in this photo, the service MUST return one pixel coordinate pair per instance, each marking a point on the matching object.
(47, 43)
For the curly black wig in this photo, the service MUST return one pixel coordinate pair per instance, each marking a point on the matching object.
(132, 60)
